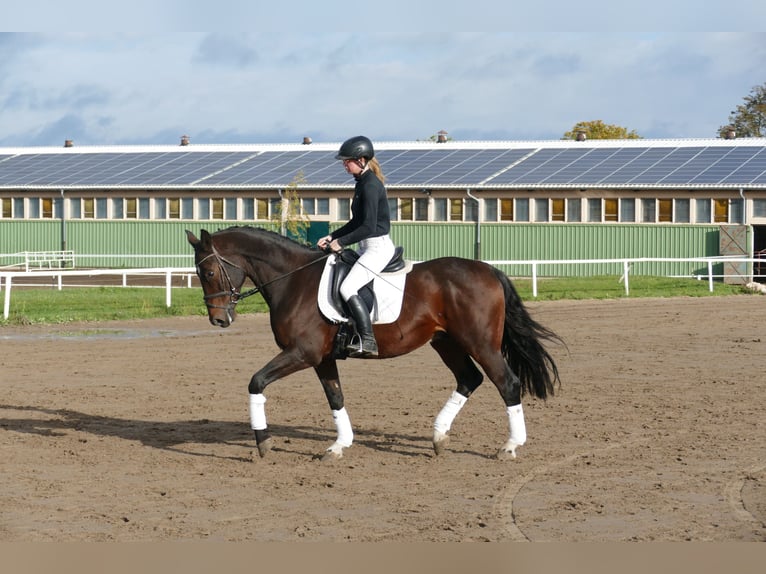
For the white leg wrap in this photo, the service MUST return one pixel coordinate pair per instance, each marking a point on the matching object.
(343, 424)
(518, 427)
(257, 412)
(448, 413)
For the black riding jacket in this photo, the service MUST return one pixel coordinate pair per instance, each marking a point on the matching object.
(370, 216)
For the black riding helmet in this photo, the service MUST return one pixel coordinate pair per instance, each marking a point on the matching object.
(355, 148)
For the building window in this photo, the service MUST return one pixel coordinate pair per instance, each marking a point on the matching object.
(117, 208)
(490, 209)
(522, 209)
(131, 208)
(174, 208)
(344, 209)
(682, 211)
(665, 210)
(101, 208)
(34, 208)
(721, 211)
(6, 210)
(558, 209)
(648, 210)
(440, 209)
(217, 207)
(628, 210)
(248, 208)
(594, 210)
(737, 211)
(203, 206)
(574, 210)
(456, 209)
(230, 208)
(541, 210)
(611, 205)
(405, 209)
(18, 208)
(392, 209)
(307, 206)
(759, 207)
(88, 208)
(315, 206)
(702, 209)
(47, 208)
(506, 210)
(471, 210)
(187, 208)
(75, 208)
(143, 208)
(421, 209)
(160, 208)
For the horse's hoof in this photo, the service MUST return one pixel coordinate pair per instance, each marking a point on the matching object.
(506, 453)
(441, 441)
(335, 452)
(265, 446)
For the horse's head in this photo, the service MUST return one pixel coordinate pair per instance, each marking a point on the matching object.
(220, 277)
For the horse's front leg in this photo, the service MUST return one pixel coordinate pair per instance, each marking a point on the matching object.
(327, 371)
(285, 363)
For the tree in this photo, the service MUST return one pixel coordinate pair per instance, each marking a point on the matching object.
(598, 130)
(749, 119)
(288, 213)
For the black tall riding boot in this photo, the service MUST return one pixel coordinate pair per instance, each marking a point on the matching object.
(364, 345)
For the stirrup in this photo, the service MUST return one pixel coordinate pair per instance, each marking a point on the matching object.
(362, 346)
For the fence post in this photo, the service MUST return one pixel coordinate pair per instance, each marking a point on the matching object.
(710, 275)
(625, 271)
(168, 285)
(534, 279)
(7, 304)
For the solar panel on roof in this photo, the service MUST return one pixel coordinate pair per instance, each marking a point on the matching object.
(751, 168)
(521, 173)
(665, 165)
(700, 162)
(574, 171)
(591, 165)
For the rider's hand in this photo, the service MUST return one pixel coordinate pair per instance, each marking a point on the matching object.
(324, 242)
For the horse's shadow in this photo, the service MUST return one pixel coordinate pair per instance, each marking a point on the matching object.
(174, 435)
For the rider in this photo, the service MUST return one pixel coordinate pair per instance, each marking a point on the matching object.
(369, 226)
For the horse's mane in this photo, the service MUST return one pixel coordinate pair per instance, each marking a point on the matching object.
(261, 232)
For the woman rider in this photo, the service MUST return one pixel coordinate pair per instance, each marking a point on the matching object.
(369, 227)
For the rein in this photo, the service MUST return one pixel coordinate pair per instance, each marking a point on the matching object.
(234, 295)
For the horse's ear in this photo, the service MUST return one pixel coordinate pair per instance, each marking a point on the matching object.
(193, 241)
(204, 239)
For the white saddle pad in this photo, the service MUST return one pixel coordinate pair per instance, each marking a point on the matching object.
(388, 289)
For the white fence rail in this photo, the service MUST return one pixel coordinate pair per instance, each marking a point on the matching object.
(757, 270)
(7, 277)
(709, 262)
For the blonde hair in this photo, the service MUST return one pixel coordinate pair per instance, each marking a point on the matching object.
(376, 169)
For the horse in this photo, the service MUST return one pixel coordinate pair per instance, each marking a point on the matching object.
(468, 310)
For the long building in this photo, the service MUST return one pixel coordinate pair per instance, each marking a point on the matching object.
(505, 200)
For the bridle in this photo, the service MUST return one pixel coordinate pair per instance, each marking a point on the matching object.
(234, 295)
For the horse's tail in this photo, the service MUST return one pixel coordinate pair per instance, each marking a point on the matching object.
(523, 345)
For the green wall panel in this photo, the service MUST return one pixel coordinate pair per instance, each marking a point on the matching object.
(422, 241)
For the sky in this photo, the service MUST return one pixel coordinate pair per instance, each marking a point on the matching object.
(331, 70)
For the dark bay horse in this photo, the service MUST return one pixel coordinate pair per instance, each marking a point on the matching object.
(467, 310)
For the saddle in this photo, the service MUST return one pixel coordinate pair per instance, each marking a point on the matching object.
(345, 261)
(343, 264)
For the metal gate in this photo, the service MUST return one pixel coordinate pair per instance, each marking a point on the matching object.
(733, 242)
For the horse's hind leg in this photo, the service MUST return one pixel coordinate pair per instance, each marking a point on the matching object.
(468, 379)
(327, 371)
(509, 386)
